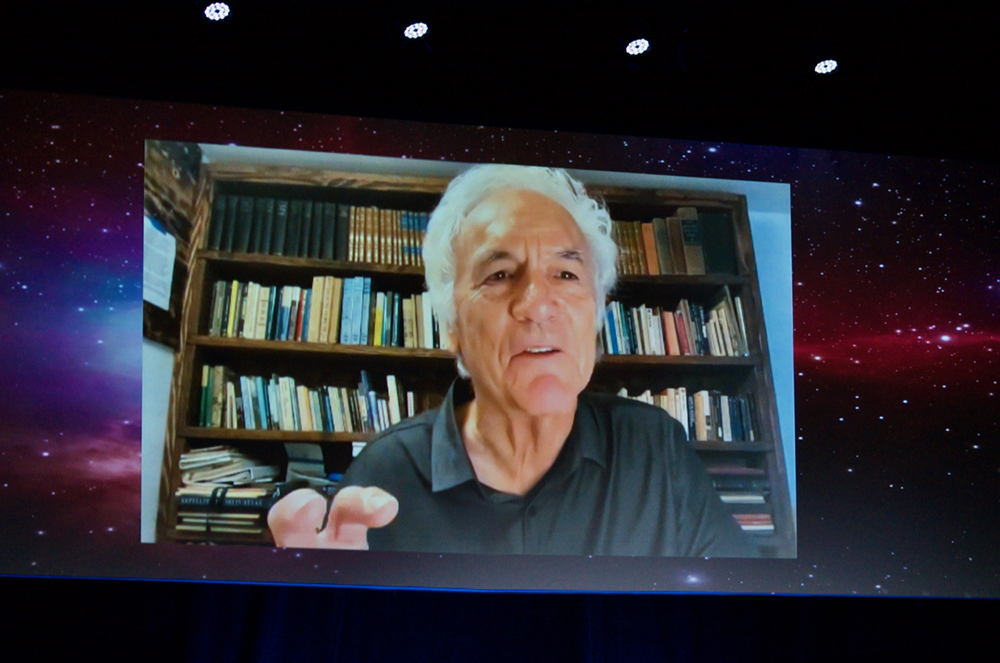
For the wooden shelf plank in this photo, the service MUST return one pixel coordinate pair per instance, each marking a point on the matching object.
(257, 260)
(299, 347)
(277, 436)
(757, 447)
(661, 360)
(717, 280)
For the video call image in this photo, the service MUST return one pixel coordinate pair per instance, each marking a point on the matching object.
(387, 353)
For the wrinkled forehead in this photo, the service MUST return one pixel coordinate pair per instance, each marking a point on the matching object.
(514, 213)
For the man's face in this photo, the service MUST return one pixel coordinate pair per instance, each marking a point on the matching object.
(524, 303)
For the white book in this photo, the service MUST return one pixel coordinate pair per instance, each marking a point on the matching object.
(411, 405)
(274, 404)
(305, 409)
(250, 310)
(345, 407)
(317, 411)
(260, 329)
(383, 414)
(394, 411)
(287, 413)
(357, 448)
(727, 430)
(335, 412)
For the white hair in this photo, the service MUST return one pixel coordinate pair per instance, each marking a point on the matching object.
(473, 186)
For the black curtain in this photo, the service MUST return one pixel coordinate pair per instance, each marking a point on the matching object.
(55, 619)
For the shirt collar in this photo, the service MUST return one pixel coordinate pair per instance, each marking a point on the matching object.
(450, 464)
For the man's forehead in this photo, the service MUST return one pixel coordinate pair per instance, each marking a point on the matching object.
(515, 214)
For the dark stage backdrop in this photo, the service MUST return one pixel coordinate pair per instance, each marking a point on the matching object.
(211, 623)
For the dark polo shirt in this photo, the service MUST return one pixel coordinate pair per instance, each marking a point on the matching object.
(625, 483)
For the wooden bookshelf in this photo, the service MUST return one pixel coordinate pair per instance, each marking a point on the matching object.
(432, 371)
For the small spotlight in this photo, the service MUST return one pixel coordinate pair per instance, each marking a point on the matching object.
(637, 47)
(217, 11)
(415, 31)
(826, 67)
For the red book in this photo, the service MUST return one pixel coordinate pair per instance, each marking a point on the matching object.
(682, 338)
(299, 314)
(670, 334)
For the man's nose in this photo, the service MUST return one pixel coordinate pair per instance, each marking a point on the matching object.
(533, 298)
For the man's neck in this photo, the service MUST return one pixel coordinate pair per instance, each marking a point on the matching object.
(511, 450)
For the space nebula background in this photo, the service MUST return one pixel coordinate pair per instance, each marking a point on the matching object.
(896, 273)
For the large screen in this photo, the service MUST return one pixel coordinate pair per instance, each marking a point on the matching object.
(733, 451)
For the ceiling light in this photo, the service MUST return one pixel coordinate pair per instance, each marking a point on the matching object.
(217, 11)
(637, 47)
(415, 30)
(826, 67)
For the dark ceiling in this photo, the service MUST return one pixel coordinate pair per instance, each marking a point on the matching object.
(914, 78)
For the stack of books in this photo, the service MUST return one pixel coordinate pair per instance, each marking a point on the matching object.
(223, 490)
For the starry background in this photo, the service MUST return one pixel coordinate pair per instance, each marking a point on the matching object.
(897, 355)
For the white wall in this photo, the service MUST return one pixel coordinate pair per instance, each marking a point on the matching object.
(157, 369)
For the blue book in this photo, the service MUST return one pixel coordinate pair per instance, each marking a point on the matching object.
(297, 425)
(609, 322)
(365, 310)
(327, 412)
(263, 419)
(307, 296)
(357, 294)
(346, 307)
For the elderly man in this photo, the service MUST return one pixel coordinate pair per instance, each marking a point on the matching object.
(519, 459)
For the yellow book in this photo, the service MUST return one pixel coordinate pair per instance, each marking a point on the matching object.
(379, 319)
(234, 296)
(409, 338)
(315, 314)
(323, 306)
(335, 306)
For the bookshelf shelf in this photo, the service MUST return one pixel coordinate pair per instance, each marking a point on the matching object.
(429, 372)
(277, 436)
(298, 348)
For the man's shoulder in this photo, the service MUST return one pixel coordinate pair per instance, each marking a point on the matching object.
(407, 444)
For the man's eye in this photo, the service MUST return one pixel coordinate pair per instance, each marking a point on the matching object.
(498, 276)
(569, 276)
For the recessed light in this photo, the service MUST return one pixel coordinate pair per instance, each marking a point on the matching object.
(217, 11)
(826, 67)
(415, 30)
(637, 47)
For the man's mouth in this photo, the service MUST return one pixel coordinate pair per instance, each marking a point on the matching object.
(540, 351)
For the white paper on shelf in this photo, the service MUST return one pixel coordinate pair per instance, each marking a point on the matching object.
(158, 251)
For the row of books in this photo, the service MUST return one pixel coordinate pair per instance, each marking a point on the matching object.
(690, 242)
(334, 310)
(253, 402)
(316, 229)
(706, 415)
(690, 330)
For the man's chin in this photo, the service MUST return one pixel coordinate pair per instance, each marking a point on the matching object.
(547, 395)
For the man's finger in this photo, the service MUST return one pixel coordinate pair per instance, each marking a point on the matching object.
(354, 511)
(295, 519)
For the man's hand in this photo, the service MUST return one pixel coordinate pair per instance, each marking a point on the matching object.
(295, 520)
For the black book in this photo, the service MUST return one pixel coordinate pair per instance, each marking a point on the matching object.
(718, 242)
(226, 295)
(267, 224)
(257, 235)
(244, 223)
(316, 237)
(630, 330)
(273, 314)
(326, 251)
(294, 233)
(218, 222)
(241, 305)
(307, 222)
(229, 233)
(280, 228)
(342, 238)
(692, 426)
